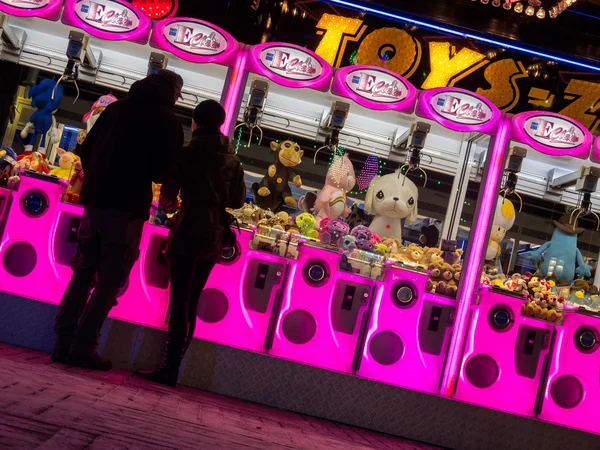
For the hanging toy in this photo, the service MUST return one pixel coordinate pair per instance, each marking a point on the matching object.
(392, 197)
(504, 219)
(560, 257)
(46, 97)
(274, 191)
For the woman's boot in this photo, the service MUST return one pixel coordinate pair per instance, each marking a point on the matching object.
(167, 372)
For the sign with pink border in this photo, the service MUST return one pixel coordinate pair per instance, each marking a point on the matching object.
(596, 151)
(552, 134)
(290, 65)
(375, 88)
(459, 110)
(194, 40)
(113, 20)
(45, 9)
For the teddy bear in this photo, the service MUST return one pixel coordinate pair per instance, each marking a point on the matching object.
(66, 164)
(435, 277)
(274, 191)
(447, 285)
(46, 97)
(430, 255)
(450, 254)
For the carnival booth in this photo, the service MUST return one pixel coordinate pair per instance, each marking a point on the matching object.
(527, 338)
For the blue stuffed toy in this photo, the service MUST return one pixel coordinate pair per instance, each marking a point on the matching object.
(560, 256)
(46, 97)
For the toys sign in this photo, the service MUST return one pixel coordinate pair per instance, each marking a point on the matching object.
(193, 40)
(108, 19)
(291, 65)
(375, 88)
(552, 134)
(46, 9)
(458, 110)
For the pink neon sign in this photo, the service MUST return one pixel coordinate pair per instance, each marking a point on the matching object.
(375, 88)
(113, 20)
(45, 9)
(291, 66)
(194, 40)
(551, 134)
(596, 151)
(459, 110)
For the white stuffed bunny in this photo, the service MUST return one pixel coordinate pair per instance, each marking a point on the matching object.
(392, 198)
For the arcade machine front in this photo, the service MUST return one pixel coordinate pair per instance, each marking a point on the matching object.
(523, 322)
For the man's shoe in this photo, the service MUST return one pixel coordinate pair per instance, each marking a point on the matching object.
(161, 375)
(89, 359)
(60, 355)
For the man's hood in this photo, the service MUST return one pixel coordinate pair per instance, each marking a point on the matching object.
(152, 89)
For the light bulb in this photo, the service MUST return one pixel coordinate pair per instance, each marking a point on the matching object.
(535, 3)
(540, 14)
(507, 5)
(496, 3)
(530, 10)
(485, 2)
(519, 8)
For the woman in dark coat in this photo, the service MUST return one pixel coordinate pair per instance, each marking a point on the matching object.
(210, 178)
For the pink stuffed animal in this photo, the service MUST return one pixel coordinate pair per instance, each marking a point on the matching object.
(331, 202)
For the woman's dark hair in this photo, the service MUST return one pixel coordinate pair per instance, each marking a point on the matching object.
(209, 115)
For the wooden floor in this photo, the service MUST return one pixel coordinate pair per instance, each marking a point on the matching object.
(50, 406)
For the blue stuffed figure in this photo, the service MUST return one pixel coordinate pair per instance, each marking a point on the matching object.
(46, 97)
(560, 256)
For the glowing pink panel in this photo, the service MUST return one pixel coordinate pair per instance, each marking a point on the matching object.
(552, 134)
(113, 20)
(572, 393)
(237, 313)
(5, 202)
(504, 355)
(44, 9)
(194, 40)
(322, 312)
(459, 110)
(290, 65)
(596, 151)
(408, 334)
(146, 298)
(375, 88)
(26, 266)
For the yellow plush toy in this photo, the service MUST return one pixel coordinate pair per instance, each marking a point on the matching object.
(66, 164)
(306, 222)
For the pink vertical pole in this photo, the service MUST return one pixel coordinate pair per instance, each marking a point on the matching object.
(232, 94)
(471, 273)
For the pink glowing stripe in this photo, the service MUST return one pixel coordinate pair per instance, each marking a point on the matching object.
(44, 9)
(234, 89)
(375, 88)
(194, 40)
(113, 20)
(596, 151)
(552, 134)
(472, 268)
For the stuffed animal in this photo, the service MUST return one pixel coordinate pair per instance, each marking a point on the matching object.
(331, 201)
(560, 256)
(335, 233)
(66, 164)
(435, 277)
(273, 191)
(364, 238)
(91, 117)
(430, 236)
(450, 254)
(357, 216)
(393, 244)
(383, 250)
(34, 161)
(9, 169)
(430, 255)
(392, 198)
(504, 219)
(46, 97)
(306, 223)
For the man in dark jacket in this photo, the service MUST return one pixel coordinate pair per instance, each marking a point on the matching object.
(130, 146)
(210, 178)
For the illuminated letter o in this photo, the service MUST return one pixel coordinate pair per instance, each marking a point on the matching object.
(392, 49)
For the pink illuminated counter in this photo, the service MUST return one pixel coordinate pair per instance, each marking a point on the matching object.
(571, 394)
(505, 354)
